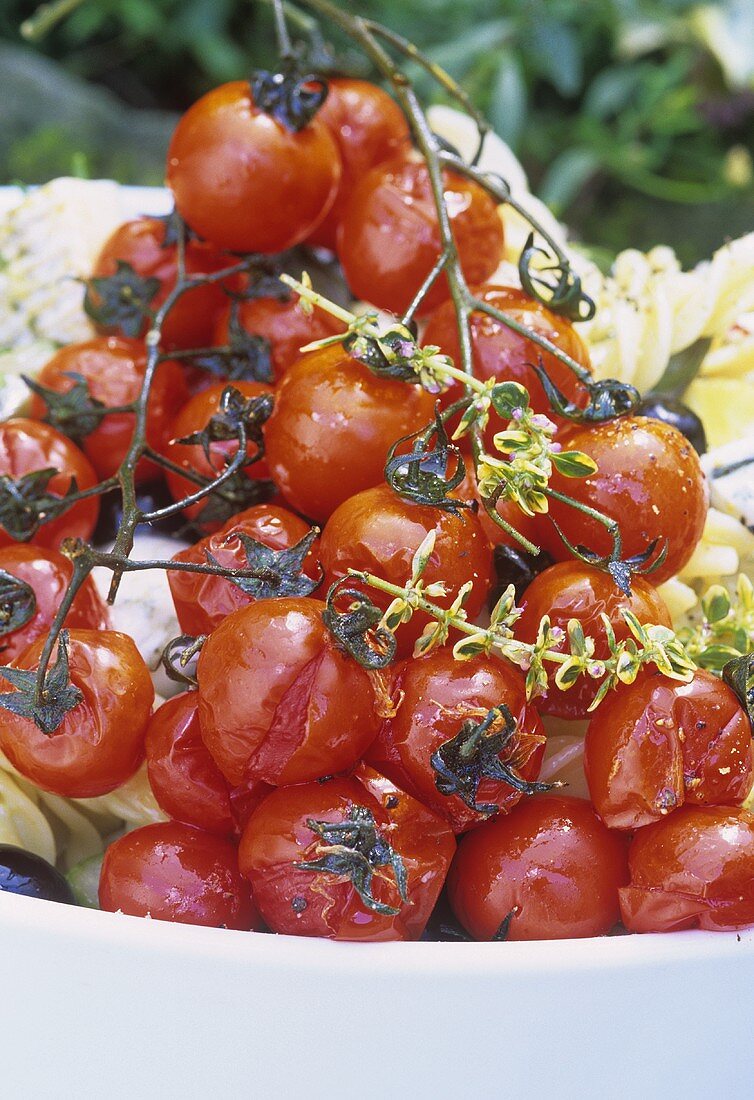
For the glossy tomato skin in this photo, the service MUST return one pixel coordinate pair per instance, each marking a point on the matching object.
(369, 128)
(389, 239)
(242, 180)
(692, 869)
(113, 368)
(100, 742)
(278, 701)
(648, 479)
(657, 744)
(202, 601)
(378, 532)
(48, 574)
(571, 590)
(140, 243)
(29, 445)
(174, 872)
(332, 427)
(550, 861)
(437, 695)
(315, 903)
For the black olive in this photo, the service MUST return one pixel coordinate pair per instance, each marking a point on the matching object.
(672, 411)
(442, 925)
(22, 872)
(513, 565)
(149, 498)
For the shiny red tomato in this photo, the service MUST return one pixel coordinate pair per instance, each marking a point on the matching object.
(389, 238)
(438, 697)
(48, 574)
(278, 700)
(659, 743)
(171, 871)
(550, 866)
(332, 427)
(378, 532)
(648, 479)
(100, 742)
(571, 590)
(28, 446)
(113, 368)
(693, 869)
(244, 181)
(202, 601)
(375, 836)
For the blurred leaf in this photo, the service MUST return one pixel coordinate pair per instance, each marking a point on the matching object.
(611, 90)
(566, 176)
(556, 49)
(508, 101)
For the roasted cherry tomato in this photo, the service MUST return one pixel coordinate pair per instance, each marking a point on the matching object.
(243, 180)
(369, 128)
(648, 479)
(571, 590)
(389, 238)
(378, 532)
(347, 859)
(171, 871)
(141, 244)
(28, 447)
(549, 870)
(332, 427)
(433, 747)
(278, 700)
(659, 743)
(100, 741)
(693, 869)
(113, 369)
(48, 574)
(201, 600)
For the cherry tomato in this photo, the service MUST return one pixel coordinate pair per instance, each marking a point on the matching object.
(27, 446)
(113, 369)
(202, 601)
(550, 867)
(369, 128)
(171, 871)
(278, 700)
(648, 479)
(693, 869)
(384, 834)
(100, 742)
(528, 526)
(141, 244)
(389, 238)
(244, 181)
(48, 574)
(438, 695)
(332, 427)
(571, 590)
(659, 743)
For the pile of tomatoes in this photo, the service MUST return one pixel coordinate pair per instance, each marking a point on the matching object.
(307, 794)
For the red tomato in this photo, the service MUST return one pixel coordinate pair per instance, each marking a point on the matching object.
(100, 742)
(378, 532)
(693, 869)
(170, 871)
(332, 427)
(29, 445)
(202, 601)
(659, 743)
(278, 700)
(648, 479)
(244, 181)
(141, 243)
(369, 128)
(571, 590)
(113, 368)
(48, 574)
(378, 820)
(551, 863)
(389, 238)
(438, 695)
